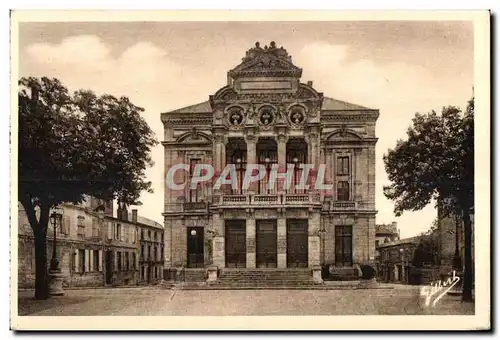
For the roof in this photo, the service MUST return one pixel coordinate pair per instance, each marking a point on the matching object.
(386, 229)
(196, 108)
(329, 104)
(332, 104)
(409, 240)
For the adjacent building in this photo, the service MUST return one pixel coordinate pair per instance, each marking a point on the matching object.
(94, 248)
(386, 233)
(151, 251)
(451, 237)
(395, 259)
(266, 115)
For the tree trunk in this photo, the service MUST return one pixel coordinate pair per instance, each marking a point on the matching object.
(41, 278)
(468, 270)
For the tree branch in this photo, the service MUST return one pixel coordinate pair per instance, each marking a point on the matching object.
(29, 208)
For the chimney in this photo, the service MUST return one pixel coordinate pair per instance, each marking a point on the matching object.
(310, 83)
(134, 215)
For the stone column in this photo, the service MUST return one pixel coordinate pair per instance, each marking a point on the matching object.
(314, 154)
(281, 141)
(281, 242)
(251, 141)
(219, 256)
(313, 240)
(250, 239)
(219, 155)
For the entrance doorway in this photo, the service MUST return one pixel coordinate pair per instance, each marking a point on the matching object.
(236, 244)
(297, 243)
(195, 245)
(108, 260)
(266, 244)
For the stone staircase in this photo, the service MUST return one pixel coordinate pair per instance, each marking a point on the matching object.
(275, 278)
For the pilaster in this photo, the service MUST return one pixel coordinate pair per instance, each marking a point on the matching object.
(281, 242)
(250, 242)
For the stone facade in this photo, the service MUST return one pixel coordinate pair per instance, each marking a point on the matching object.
(93, 248)
(151, 253)
(266, 115)
(385, 233)
(448, 230)
(395, 260)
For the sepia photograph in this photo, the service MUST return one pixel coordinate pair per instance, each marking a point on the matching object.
(250, 170)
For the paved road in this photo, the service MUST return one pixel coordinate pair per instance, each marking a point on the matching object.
(402, 300)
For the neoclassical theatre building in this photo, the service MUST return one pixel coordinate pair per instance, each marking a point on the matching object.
(266, 115)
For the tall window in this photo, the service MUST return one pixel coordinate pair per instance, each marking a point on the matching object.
(95, 260)
(296, 154)
(267, 155)
(343, 246)
(133, 261)
(119, 260)
(343, 165)
(95, 227)
(343, 191)
(81, 226)
(118, 231)
(83, 260)
(194, 194)
(239, 159)
(126, 261)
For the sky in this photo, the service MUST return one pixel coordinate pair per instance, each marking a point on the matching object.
(399, 68)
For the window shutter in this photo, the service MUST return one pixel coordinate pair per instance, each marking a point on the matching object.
(110, 230)
(88, 229)
(99, 267)
(122, 232)
(126, 231)
(87, 260)
(66, 225)
(115, 261)
(91, 261)
(77, 261)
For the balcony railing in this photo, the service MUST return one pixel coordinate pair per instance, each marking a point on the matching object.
(297, 198)
(270, 199)
(234, 199)
(343, 205)
(192, 206)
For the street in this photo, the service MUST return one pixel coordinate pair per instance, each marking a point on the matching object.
(395, 300)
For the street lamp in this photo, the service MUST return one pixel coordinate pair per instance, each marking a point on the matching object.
(55, 220)
(56, 277)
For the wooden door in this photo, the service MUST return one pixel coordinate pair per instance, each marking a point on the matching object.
(195, 247)
(297, 243)
(236, 241)
(266, 244)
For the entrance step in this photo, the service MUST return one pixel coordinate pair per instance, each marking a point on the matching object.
(342, 274)
(264, 278)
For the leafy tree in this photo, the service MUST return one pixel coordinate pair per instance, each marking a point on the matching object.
(436, 162)
(427, 250)
(73, 145)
